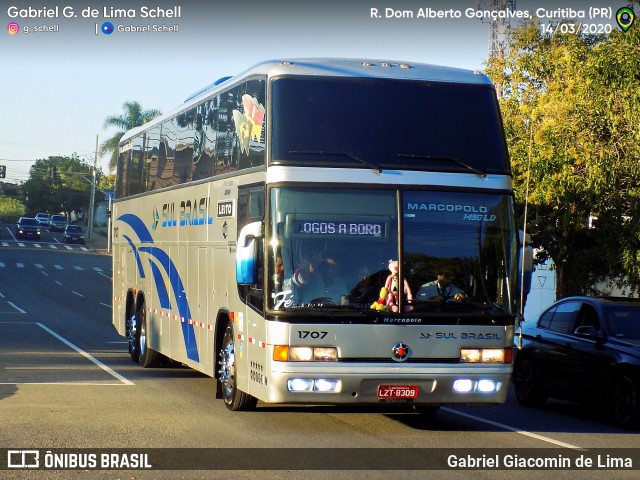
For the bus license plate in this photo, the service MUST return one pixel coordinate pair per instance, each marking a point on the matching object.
(393, 392)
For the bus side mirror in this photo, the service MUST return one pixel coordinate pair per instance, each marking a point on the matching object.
(247, 253)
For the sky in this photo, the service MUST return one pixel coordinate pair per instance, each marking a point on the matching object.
(58, 86)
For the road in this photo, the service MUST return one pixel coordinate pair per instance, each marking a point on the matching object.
(66, 382)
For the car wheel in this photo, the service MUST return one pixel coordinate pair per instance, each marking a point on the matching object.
(234, 399)
(625, 406)
(528, 392)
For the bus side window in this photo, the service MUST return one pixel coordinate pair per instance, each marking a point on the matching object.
(251, 209)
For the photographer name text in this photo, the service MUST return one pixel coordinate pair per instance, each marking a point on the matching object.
(90, 12)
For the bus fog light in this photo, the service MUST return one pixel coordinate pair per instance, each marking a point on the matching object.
(325, 385)
(488, 386)
(463, 385)
(300, 384)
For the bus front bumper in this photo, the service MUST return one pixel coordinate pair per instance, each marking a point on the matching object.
(431, 385)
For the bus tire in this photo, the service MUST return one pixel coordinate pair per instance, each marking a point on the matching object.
(147, 356)
(132, 333)
(234, 399)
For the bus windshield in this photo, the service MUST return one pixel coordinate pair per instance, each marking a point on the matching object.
(339, 248)
(395, 124)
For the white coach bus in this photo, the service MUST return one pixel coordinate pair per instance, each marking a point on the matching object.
(281, 231)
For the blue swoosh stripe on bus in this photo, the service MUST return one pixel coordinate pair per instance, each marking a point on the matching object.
(138, 226)
(182, 303)
(161, 288)
(136, 255)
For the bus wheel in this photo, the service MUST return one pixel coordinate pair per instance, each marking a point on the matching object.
(148, 357)
(234, 399)
(132, 335)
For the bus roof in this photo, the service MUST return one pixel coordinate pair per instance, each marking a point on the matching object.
(329, 67)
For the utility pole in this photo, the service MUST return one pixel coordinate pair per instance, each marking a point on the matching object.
(498, 28)
(93, 192)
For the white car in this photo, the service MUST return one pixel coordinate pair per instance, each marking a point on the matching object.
(42, 219)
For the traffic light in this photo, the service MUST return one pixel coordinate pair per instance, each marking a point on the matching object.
(3, 171)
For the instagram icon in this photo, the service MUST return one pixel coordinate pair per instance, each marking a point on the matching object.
(13, 28)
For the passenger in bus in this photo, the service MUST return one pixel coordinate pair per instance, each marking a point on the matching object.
(320, 281)
(441, 289)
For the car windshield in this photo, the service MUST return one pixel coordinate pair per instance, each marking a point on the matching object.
(58, 218)
(623, 321)
(74, 229)
(28, 221)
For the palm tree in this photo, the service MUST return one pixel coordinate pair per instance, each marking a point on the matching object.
(133, 117)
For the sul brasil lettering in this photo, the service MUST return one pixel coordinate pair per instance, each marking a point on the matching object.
(189, 213)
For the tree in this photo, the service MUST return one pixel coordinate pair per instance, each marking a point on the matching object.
(69, 190)
(571, 110)
(11, 209)
(133, 117)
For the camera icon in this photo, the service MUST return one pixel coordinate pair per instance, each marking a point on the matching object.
(13, 28)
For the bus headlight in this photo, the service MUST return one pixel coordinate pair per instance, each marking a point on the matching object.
(486, 355)
(285, 353)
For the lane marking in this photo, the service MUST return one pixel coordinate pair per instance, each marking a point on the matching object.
(78, 294)
(79, 384)
(89, 357)
(16, 307)
(516, 430)
(105, 305)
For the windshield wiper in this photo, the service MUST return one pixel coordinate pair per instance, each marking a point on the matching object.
(460, 163)
(376, 168)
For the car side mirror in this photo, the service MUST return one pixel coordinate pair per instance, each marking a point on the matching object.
(587, 331)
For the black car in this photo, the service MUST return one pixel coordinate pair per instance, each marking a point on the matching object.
(28, 227)
(73, 234)
(586, 350)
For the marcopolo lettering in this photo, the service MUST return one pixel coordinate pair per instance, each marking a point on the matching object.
(447, 207)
